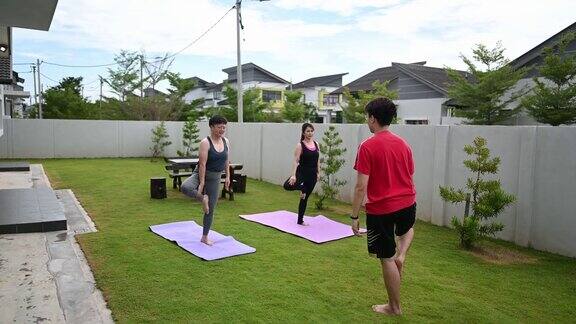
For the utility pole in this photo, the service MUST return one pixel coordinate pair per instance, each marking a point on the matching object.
(141, 82)
(239, 61)
(39, 90)
(239, 26)
(35, 93)
(101, 83)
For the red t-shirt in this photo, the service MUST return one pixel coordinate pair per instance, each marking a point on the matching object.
(387, 159)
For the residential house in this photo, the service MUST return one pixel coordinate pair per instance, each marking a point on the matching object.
(13, 15)
(209, 91)
(151, 92)
(422, 91)
(532, 60)
(317, 91)
(253, 76)
(13, 96)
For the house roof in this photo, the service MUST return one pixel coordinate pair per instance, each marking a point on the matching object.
(388, 73)
(17, 78)
(215, 86)
(529, 56)
(248, 66)
(149, 92)
(319, 81)
(200, 83)
(31, 14)
(434, 77)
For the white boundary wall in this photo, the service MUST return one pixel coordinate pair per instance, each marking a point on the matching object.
(538, 163)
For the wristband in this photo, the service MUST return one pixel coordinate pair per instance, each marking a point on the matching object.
(352, 217)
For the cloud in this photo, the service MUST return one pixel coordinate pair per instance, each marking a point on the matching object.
(295, 38)
(135, 24)
(459, 25)
(341, 7)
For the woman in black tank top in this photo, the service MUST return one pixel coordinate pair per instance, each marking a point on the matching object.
(305, 169)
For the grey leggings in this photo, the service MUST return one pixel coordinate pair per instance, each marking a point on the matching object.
(211, 185)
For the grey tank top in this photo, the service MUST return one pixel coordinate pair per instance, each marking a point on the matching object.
(216, 161)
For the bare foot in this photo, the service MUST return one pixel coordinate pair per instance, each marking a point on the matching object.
(205, 205)
(386, 310)
(399, 260)
(206, 241)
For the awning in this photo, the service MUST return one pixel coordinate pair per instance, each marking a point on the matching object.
(30, 14)
(16, 94)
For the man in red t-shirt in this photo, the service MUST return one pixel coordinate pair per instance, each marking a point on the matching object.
(385, 168)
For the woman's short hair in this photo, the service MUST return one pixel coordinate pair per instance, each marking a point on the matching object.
(217, 120)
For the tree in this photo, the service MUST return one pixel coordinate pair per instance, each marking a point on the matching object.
(553, 100)
(179, 87)
(253, 107)
(33, 112)
(64, 101)
(159, 140)
(310, 112)
(125, 78)
(484, 96)
(294, 109)
(70, 83)
(150, 108)
(330, 163)
(156, 70)
(190, 137)
(355, 102)
(488, 198)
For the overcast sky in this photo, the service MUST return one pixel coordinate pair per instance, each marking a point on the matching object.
(294, 39)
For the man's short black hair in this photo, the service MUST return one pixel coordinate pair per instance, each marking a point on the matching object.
(383, 109)
(217, 120)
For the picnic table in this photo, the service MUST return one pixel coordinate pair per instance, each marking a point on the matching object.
(179, 168)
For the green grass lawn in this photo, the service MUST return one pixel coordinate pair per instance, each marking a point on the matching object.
(148, 279)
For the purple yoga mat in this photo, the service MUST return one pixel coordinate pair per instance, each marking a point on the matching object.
(320, 229)
(187, 235)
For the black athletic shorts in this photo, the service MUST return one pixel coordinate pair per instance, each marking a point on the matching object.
(381, 230)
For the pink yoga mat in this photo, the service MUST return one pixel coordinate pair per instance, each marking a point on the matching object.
(187, 235)
(320, 229)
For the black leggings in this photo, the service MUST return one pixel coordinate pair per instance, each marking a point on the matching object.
(305, 182)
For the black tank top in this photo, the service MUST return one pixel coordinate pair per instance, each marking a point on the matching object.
(216, 161)
(308, 157)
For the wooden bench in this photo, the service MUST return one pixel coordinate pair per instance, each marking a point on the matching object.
(233, 180)
(179, 171)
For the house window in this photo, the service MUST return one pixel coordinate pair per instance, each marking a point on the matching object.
(330, 100)
(271, 95)
(416, 121)
(339, 118)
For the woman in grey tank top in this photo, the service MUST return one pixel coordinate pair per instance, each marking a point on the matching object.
(204, 182)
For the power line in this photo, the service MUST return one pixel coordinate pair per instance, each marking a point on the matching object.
(93, 81)
(167, 57)
(23, 63)
(197, 38)
(42, 74)
(80, 66)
